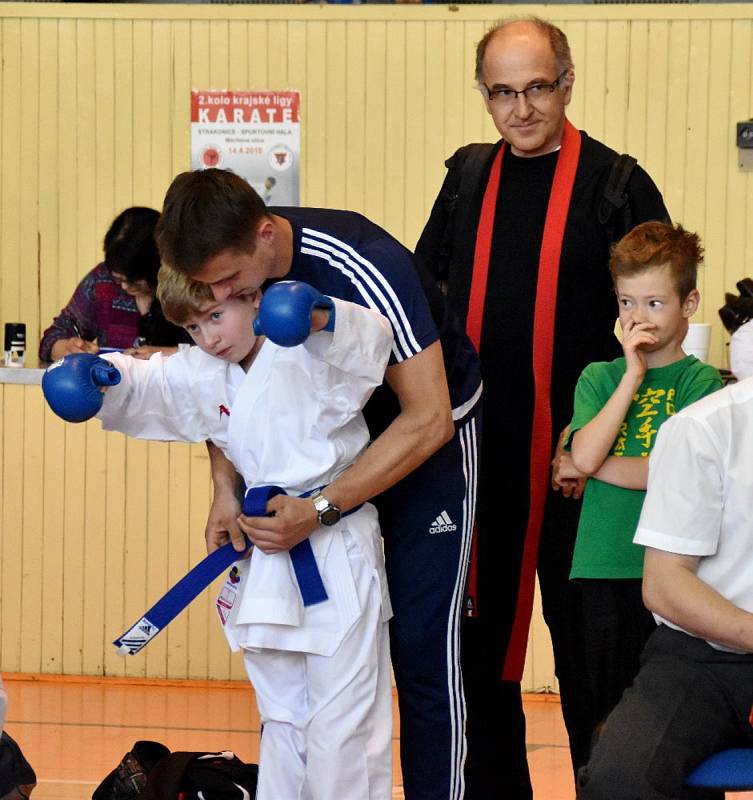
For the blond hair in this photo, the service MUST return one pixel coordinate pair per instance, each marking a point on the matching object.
(180, 296)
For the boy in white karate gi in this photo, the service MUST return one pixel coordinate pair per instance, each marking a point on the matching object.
(291, 417)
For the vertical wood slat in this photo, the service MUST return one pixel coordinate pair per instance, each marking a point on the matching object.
(177, 553)
(47, 272)
(679, 84)
(720, 144)
(125, 113)
(117, 585)
(336, 114)
(74, 551)
(376, 101)
(11, 567)
(416, 121)
(10, 176)
(314, 114)
(136, 542)
(104, 158)
(89, 239)
(93, 582)
(69, 267)
(157, 539)
(615, 100)
(595, 74)
(386, 97)
(32, 564)
(27, 153)
(394, 131)
(296, 79)
(656, 101)
(53, 501)
(358, 117)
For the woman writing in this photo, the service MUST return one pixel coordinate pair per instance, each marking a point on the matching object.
(115, 303)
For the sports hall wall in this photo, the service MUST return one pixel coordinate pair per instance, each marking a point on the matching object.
(94, 110)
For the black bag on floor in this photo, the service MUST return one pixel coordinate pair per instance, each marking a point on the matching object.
(17, 778)
(128, 779)
(151, 772)
(202, 776)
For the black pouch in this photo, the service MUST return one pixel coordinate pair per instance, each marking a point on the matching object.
(17, 778)
(128, 780)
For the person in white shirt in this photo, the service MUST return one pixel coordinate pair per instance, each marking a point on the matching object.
(693, 694)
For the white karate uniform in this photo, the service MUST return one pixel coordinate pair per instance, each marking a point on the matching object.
(321, 673)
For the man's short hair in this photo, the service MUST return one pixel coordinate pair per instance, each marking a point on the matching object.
(557, 39)
(206, 213)
(181, 297)
(658, 244)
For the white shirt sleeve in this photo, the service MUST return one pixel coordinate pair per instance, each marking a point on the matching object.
(360, 344)
(682, 512)
(157, 398)
(741, 351)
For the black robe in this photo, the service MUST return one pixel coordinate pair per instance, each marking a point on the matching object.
(584, 332)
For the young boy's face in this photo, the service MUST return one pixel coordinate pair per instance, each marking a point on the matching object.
(651, 298)
(225, 329)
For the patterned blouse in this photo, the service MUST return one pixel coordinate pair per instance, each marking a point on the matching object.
(101, 310)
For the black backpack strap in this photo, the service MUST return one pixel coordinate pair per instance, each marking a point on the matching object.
(466, 166)
(464, 171)
(614, 197)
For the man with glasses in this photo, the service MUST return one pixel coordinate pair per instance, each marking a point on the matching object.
(516, 240)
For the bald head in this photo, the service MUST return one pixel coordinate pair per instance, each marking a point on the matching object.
(526, 32)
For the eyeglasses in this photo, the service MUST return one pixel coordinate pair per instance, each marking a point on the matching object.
(124, 279)
(539, 91)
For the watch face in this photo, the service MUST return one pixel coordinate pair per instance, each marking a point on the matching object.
(330, 516)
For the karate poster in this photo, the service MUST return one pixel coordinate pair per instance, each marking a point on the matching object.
(257, 135)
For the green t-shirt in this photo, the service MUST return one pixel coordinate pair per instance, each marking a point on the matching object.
(604, 547)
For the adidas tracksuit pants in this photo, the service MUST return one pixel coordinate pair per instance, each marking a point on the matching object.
(427, 522)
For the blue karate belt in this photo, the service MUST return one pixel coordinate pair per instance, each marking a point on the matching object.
(189, 587)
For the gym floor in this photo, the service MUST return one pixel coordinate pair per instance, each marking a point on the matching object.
(74, 731)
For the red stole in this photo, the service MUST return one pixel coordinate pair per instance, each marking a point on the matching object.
(543, 348)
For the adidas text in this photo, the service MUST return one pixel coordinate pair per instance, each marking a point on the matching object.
(443, 524)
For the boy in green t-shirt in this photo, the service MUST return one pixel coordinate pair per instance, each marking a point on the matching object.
(618, 408)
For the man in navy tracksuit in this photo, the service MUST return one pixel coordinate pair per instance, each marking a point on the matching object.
(420, 470)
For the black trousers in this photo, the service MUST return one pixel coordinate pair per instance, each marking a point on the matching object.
(496, 764)
(688, 701)
(427, 520)
(616, 627)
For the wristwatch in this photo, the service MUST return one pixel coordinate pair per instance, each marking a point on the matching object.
(328, 514)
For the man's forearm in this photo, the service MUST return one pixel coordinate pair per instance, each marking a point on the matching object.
(422, 427)
(672, 589)
(400, 449)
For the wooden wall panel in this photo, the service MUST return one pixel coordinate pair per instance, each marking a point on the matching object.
(94, 105)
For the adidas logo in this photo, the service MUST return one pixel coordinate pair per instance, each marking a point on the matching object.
(443, 524)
